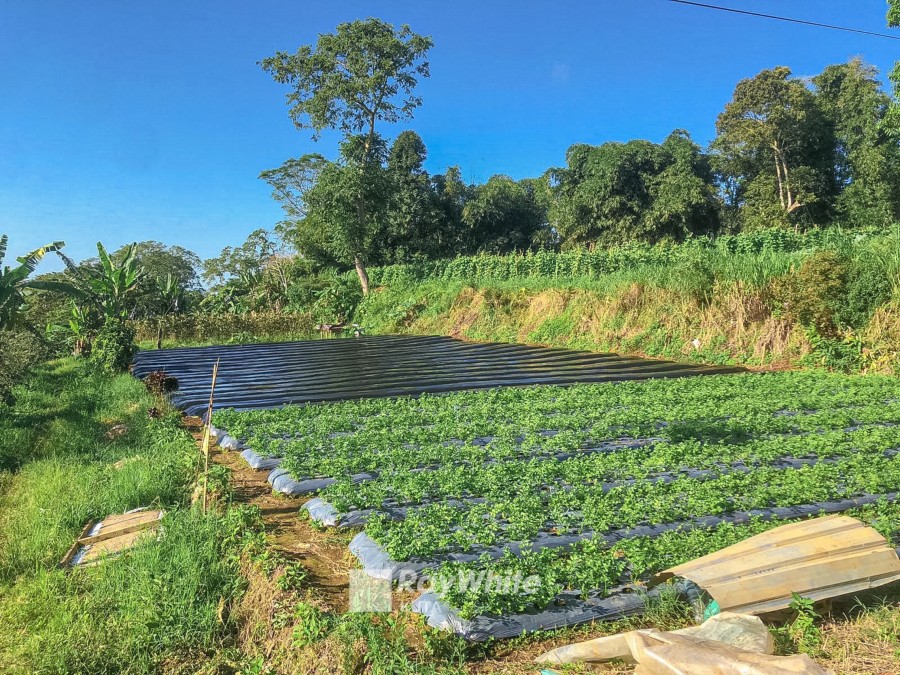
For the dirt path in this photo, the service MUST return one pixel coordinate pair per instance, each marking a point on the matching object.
(324, 554)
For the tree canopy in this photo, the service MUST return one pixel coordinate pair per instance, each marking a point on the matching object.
(364, 73)
(619, 192)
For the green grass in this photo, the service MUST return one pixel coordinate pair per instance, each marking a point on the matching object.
(166, 601)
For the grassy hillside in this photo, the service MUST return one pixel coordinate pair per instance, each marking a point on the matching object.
(770, 299)
(80, 445)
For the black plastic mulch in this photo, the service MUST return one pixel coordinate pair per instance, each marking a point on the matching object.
(313, 371)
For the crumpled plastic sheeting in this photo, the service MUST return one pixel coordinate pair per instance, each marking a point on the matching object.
(574, 612)
(282, 481)
(727, 644)
(260, 462)
(741, 631)
(322, 512)
(254, 459)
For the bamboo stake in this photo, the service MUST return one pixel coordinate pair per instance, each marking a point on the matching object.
(206, 432)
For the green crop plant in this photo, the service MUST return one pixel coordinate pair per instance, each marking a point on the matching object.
(473, 472)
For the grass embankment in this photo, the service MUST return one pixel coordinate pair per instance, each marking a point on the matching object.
(833, 304)
(80, 445)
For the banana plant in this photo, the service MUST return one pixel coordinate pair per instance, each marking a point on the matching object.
(171, 295)
(14, 281)
(82, 323)
(106, 286)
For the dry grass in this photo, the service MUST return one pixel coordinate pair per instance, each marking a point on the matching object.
(735, 326)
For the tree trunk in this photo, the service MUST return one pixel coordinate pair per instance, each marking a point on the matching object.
(159, 334)
(778, 174)
(363, 275)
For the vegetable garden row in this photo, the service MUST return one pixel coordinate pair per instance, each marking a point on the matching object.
(590, 486)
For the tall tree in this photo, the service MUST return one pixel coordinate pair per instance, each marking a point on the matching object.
(247, 259)
(362, 74)
(452, 194)
(332, 205)
(502, 216)
(892, 120)
(867, 158)
(774, 131)
(413, 217)
(639, 190)
(159, 262)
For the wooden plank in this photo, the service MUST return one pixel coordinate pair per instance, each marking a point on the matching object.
(137, 521)
(94, 553)
(73, 549)
(803, 579)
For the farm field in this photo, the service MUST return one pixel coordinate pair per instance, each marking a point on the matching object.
(587, 487)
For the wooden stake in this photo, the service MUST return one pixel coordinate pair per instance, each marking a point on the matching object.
(206, 432)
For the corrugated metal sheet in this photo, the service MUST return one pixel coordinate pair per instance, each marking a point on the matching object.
(270, 375)
(819, 558)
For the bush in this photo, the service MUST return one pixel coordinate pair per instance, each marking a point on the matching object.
(812, 295)
(868, 287)
(337, 302)
(19, 352)
(159, 383)
(114, 347)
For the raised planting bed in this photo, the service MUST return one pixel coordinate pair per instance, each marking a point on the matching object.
(588, 487)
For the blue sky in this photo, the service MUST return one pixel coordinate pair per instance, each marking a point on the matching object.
(124, 121)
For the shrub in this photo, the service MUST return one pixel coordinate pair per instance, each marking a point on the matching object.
(868, 287)
(159, 383)
(114, 346)
(19, 352)
(812, 295)
(337, 302)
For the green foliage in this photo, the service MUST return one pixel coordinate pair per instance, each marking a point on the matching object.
(891, 123)
(337, 302)
(312, 624)
(114, 347)
(801, 635)
(481, 470)
(636, 191)
(244, 261)
(366, 69)
(169, 278)
(867, 159)
(813, 295)
(777, 148)
(868, 287)
(502, 216)
(207, 328)
(102, 294)
(14, 280)
(164, 602)
(362, 74)
(728, 255)
(20, 351)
